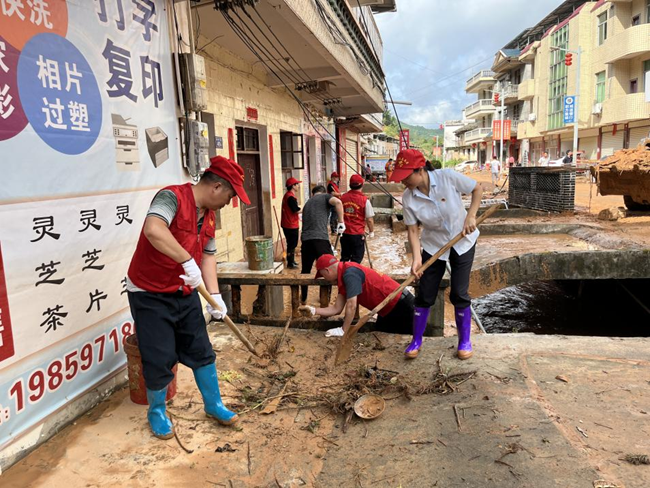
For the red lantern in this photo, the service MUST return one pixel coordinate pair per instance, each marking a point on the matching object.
(568, 59)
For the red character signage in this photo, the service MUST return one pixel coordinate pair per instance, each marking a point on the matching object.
(6, 335)
(404, 139)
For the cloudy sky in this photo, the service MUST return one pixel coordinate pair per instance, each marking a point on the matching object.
(431, 47)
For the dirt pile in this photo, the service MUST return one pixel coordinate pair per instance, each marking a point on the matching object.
(637, 159)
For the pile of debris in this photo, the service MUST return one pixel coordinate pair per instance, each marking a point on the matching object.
(637, 159)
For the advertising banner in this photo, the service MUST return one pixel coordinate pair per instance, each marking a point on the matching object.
(88, 133)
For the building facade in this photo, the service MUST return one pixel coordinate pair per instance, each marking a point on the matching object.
(614, 98)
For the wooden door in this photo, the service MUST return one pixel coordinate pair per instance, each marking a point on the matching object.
(251, 214)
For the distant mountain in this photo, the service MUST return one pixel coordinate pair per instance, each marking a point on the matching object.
(421, 137)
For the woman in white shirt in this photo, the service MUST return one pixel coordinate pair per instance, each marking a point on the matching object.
(433, 198)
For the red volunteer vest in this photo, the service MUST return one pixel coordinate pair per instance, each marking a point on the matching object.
(150, 269)
(354, 212)
(376, 288)
(334, 186)
(290, 219)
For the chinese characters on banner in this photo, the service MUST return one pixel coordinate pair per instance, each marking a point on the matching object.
(404, 139)
(88, 123)
(496, 129)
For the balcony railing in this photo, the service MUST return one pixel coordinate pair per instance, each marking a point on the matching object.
(486, 104)
(631, 42)
(477, 135)
(373, 37)
(485, 73)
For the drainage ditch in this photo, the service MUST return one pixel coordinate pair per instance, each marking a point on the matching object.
(576, 307)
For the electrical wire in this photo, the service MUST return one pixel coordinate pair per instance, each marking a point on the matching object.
(289, 74)
(249, 44)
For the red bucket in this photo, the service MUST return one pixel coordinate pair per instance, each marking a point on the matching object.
(137, 389)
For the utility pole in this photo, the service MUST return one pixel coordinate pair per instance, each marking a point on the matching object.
(502, 96)
(576, 104)
(577, 108)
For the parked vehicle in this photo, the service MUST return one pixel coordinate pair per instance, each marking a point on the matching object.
(466, 166)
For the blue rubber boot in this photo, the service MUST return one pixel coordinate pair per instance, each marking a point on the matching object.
(208, 383)
(464, 327)
(160, 424)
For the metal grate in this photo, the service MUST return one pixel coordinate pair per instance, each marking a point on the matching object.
(548, 183)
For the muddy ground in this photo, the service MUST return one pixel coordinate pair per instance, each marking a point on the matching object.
(526, 411)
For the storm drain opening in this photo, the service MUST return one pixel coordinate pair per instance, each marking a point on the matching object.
(609, 308)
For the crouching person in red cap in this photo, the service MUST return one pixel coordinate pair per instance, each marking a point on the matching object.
(357, 212)
(363, 286)
(174, 255)
(434, 199)
(291, 220)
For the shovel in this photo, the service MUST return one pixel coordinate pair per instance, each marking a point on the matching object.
(345, 347)
(204, 292)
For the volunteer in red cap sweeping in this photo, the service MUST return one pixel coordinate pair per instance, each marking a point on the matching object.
(291, 220)
(176, 253)
(357, 212)
(363, 286)
(433, 198)
(333, 190)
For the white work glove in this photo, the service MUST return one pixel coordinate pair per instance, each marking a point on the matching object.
(371, 235)
(192, 276)
(217, 314)
(340, 228)
(308, 310)
(337, 332)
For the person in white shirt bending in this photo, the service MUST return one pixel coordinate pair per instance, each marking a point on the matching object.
(495, 169)
(433, 198)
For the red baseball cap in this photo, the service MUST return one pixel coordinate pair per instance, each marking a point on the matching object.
(232, 173)
(325, 261)
(334, 175)
(292, 181)
(406, 162)
(356, 180)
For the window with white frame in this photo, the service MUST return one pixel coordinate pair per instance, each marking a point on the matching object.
(602, 28)
(600, 87)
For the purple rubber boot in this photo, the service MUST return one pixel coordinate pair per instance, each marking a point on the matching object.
(464, 326)
(420, 316)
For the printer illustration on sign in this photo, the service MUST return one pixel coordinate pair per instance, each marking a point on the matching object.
(157, 145)
(127, 154)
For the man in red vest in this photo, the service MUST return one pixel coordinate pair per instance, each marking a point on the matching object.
(291, 220)
(357, 211)
(333, 190)
(363, 286)
(174, 255)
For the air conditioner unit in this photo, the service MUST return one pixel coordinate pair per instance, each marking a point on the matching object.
(597, 109)
(532, 117)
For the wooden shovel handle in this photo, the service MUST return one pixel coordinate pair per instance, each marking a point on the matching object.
(205, 294)
(345, 347)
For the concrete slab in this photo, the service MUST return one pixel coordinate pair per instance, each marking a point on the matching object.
(512, 424)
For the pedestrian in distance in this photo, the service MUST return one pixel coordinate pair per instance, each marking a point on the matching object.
(315, 239)
(390, 166)
(543, 160)
(333, 190)
(433, 198)
(359, 285)
(290, 221)
(368, 172)
(357, 212)
(568, 158)
(174, 255)
(495, 171)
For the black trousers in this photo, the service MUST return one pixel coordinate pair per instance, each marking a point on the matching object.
(334, 220)
(400, 319)
(353, 247)
(430, 280)
(170, 328)
(311, 251)
(292, 239)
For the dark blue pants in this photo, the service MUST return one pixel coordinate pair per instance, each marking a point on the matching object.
(170, 329)
(461, 266)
